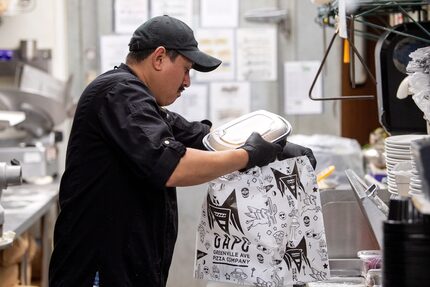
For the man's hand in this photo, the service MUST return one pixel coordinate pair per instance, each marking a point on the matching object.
(292, 150)
(260, 151)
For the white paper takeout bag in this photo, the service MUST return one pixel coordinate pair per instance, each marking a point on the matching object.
(263, 227)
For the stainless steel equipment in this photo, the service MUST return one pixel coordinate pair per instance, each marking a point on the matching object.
(9, 175)
(42, 113)
(373, 208)
(27, 86)
(349, 233)
(346, 234)
(37, 161)
(28, 53)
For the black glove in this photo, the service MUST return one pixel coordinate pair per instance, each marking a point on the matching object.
(292, 150)
(260, 151)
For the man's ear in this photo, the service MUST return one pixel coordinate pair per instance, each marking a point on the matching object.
(158, 56)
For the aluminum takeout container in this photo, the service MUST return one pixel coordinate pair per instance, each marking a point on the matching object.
(234, 134)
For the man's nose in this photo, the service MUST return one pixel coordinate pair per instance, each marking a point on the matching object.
(187, 80)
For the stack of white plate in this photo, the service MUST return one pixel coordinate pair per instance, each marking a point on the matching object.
(398, 149)
(415, 187)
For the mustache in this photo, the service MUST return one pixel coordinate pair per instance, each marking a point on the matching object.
(181, 89)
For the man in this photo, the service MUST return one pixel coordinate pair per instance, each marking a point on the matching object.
(125, 157)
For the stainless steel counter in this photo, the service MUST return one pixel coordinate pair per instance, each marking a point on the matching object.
(24, 206)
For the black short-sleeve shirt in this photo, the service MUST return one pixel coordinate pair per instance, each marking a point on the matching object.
(117, 216)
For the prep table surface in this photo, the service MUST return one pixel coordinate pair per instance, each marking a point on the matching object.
(24, 206)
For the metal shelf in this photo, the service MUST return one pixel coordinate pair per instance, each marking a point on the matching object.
(328, 16)
(390, 6)
(327, 13)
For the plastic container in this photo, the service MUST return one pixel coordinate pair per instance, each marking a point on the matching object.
(233, 134)
(371, 259)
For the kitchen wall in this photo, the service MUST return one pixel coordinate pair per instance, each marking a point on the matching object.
(307, 44)
(87, 20)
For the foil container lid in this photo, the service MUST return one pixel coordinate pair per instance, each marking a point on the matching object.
(233, 134)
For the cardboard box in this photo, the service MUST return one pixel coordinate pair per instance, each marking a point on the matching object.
(9, 276)
(14, 254)
(11, 258)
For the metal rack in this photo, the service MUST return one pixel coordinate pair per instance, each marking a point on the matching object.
(328, 16)
(327, 13)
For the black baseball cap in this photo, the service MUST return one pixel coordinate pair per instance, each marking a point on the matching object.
(172, 34)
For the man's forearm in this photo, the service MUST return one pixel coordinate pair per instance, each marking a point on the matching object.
(198, 166)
